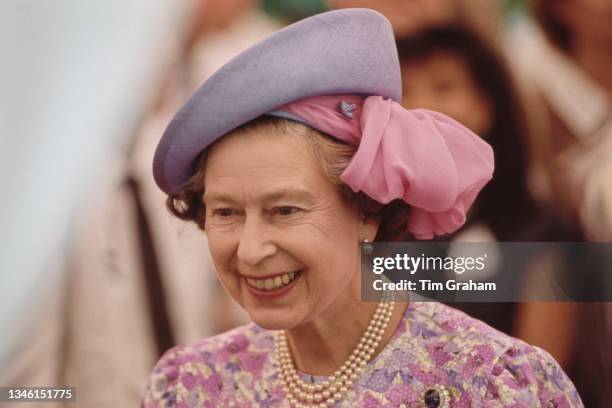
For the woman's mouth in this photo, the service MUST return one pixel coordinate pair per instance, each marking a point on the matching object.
(275, 283)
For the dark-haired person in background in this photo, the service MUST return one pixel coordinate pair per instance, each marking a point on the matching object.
(564, 55)
(453, 70)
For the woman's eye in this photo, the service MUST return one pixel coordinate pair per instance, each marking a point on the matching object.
(223, 212)
(285, 210)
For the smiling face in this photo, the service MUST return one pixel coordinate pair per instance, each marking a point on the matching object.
(284, 243)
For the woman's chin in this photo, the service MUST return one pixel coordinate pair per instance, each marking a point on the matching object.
(272, 320)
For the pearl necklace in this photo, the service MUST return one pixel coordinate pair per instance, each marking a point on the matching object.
(333, 389)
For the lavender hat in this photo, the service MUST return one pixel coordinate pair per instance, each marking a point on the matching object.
(350, 51)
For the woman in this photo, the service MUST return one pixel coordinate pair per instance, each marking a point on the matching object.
(452, 70)
(289, 157)
(566, 61)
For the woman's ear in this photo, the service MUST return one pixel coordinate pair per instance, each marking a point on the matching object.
(368, 227)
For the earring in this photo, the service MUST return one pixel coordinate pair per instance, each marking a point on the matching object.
(366, 247)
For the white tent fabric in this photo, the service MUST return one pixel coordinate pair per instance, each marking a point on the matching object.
(74, 77)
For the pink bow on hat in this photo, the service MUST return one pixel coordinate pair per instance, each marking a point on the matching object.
(432, 162)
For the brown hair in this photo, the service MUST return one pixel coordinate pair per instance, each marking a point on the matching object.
(556, 31)
(334, 156)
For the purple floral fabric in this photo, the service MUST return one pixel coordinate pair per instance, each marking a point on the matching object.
(434, 345)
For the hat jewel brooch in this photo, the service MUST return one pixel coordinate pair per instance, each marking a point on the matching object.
(347, 109)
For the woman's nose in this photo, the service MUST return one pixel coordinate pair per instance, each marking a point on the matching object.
(254, 245)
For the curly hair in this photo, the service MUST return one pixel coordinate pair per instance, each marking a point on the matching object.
(333, 155)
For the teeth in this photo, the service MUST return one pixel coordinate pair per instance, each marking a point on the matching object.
(272, 283)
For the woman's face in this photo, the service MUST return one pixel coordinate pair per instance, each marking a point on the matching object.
(442, 82)
(284, 244)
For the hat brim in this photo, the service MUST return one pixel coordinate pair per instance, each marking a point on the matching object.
(350, 51)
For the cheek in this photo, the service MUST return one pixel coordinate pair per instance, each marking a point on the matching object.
(221, 248)
(477, 113)
(335, 254)
(464, 106)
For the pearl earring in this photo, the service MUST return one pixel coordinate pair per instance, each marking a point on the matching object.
(366, 247)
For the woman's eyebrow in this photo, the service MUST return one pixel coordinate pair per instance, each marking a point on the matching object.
(288, 193)
(224, 197)
(276, 195)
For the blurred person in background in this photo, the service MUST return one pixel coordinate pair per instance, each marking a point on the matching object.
(290, 11)
(565, 60)
(564, 57)
(137, 281)
(410, 16)
(453, 70)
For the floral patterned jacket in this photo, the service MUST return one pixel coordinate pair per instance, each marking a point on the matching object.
(435, 349)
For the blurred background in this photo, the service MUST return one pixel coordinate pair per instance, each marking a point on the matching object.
(98, 279)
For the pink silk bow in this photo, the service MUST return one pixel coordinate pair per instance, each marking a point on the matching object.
(425, 158)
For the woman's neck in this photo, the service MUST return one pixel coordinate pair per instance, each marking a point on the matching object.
(321, 346)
